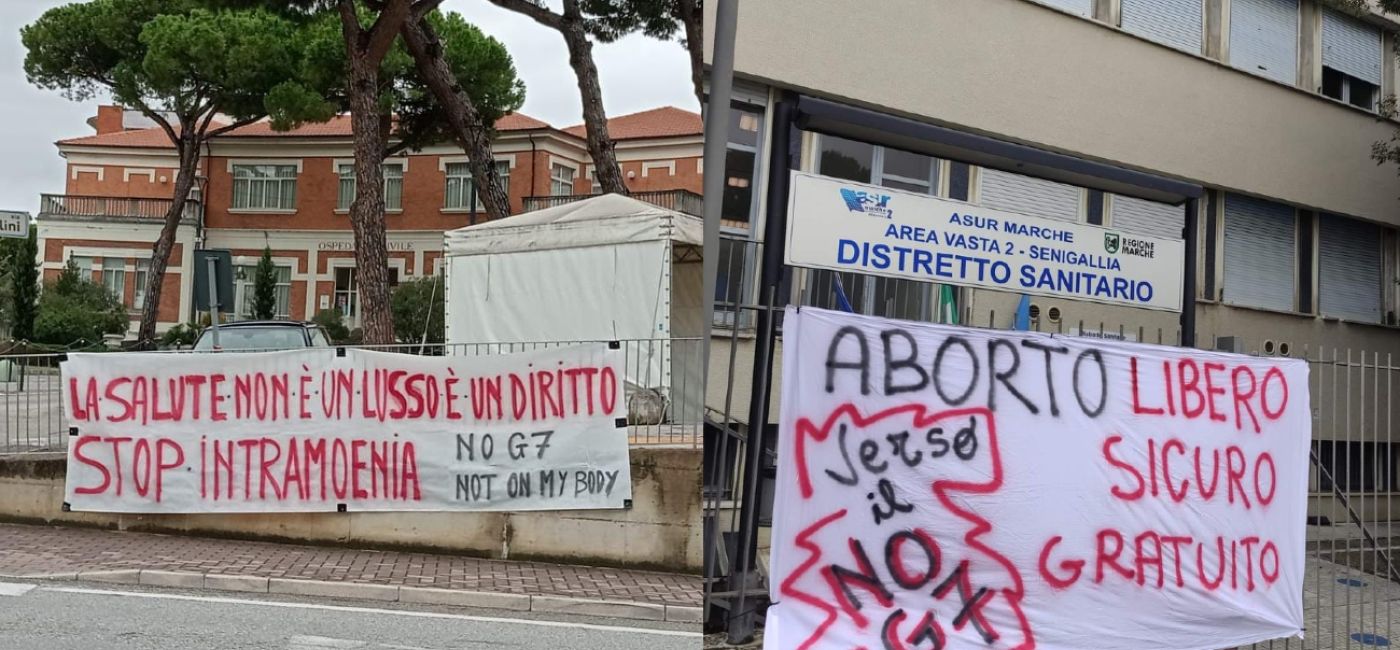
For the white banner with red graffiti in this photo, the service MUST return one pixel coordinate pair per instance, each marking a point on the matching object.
(349, 430)
(942, 487)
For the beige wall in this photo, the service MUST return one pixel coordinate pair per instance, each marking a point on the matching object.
(660, 531)
(1028, 73)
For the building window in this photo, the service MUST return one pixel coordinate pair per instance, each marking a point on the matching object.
(1264, 38)
(1081, 7)
(84, 264)
(1149, 218)
(1350, 269)
(114, 277)
(866, 163)
(1260, 253)
(460, 191)
(264, 187)
(1029, 195)
(393, 186)
(1174, 23)
(245, 279)
(143, 272)
(741, 165)
(1351, 60)
(561, 180)
(593, 186)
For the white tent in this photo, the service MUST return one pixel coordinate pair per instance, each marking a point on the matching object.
(608, 268)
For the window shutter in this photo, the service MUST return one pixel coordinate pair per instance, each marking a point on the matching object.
(1260, 244)
(1175, 23)
(1351, 46)
(1149, 218)
(1026, 195)
(1264, 38)
(1349, 269)
(1081, 7)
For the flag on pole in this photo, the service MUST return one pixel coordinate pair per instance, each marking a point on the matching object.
(1023, 315)
(947, 306)
(841, 302)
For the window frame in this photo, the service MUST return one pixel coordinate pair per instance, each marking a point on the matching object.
(243, 289)
(471, 201)
(557, 182)
(286, 192)
(345, 186)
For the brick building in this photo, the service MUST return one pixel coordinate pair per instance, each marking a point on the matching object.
(291, 191)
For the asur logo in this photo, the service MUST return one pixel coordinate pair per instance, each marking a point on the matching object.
(876, 205)
(1110, 242)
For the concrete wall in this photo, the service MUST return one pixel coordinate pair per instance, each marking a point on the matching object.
(1040, 76)
(660, 531)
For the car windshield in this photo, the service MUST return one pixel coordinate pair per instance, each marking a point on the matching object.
(254, 338)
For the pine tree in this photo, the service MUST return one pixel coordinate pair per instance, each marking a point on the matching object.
(25, 278)
(265, 288)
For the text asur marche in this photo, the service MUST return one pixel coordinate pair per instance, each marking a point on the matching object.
(321, 468)
(960, 372)
(1052, 268)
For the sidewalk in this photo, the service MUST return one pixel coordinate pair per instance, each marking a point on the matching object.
(166, 560)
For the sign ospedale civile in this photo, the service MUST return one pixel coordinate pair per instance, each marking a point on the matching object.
(843, 226)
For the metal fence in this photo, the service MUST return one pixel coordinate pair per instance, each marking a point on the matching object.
(1352, 580)
(31, 401)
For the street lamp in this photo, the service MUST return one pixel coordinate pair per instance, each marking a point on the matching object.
(242, 264)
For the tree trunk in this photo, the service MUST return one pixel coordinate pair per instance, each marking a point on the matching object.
(691, 18)
(473, 136)
(367, 210)
(595, 119)
(188, 150)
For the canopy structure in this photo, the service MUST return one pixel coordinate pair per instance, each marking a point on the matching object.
(608, 268)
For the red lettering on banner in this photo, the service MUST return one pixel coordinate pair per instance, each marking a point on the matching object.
(1075, 567)
(1213, 391)
(1137, 400)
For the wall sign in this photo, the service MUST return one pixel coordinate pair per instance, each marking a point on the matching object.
(942, 487)
(843, 226)
(312, 431)
(14, 224)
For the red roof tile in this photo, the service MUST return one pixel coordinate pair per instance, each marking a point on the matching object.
(664, 122)
(338, 126)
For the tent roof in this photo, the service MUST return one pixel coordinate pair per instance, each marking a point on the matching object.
(604, 220)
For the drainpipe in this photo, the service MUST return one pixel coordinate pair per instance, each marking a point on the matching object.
(532, 164)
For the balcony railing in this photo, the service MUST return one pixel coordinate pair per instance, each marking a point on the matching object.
(678, 200)
(110, 207)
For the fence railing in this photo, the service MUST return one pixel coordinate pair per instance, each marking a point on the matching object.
(92, 207)
(678, 200)
(664, 394)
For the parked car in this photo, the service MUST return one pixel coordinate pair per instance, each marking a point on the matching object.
(263, 335)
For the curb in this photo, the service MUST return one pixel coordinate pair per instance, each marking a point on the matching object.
(384, 593)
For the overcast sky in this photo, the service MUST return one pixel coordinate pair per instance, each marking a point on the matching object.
(637, 74)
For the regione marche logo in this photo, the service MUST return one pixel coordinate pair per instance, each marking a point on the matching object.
(1110, 242)
(877, 205)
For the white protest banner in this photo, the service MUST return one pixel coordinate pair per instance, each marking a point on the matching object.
(943, 487)
(843, 226)
(311, 431)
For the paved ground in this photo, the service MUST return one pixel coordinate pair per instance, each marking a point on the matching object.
(79, 616)
(42, 550)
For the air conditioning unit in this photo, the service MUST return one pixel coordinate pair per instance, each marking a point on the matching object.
(1233, 344)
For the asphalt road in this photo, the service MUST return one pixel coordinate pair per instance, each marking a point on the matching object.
(82, 616)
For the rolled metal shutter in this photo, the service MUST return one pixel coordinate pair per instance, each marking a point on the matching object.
(1148, 218)
(1260, 250)
(1081, 7)
(1027, 195)
(1351, 46)
(1264, 38)
(1349, 269)
(1176, 23)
